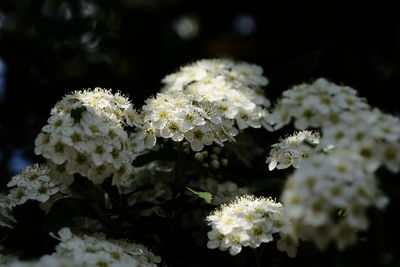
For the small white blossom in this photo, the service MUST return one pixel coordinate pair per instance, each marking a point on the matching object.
(292, 150)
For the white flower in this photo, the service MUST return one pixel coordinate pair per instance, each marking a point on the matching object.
(288, 243)
(172, 130)
(292, 150)
(59, 173)
(246, 119)
(190, 118)
(97, 174)
(93, 124)
(280, 116)
(199, 136)
(246, 221)
(59, 122)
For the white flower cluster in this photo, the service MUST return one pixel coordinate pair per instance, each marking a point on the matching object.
(86, 134)
(316, 104)
(32, 183)
(327, 198)
(370, 134)
(250, 221)
(345, 121)
(237, 75)
(202, 102)
(355, 141)
(292, 150)
(94, 251)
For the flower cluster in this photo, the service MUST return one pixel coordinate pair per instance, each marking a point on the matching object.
(33, 183)
(202, 102)
(316, 104)
(345, 121)
(292, 150)
(326, 199)
(96, 250)
(173, 115)
(86, 134)
(355, 141)
(370, 134)
(249, 221)
(238, 75)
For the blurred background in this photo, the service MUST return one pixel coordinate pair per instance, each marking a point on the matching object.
(51, 47)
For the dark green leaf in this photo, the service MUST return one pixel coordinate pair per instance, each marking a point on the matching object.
(76, 113)
(136, 208)
(64, 211)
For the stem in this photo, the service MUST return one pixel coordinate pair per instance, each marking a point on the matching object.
(178, 170)
(259, 254)
(172, 212)
(112, 192)
(257, 257)
(95, 203)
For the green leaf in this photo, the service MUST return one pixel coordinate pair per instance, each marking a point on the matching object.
(341, 213)
(204, 195)
(76, 113)
(135, 209)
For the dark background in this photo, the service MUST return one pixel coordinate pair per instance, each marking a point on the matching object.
(48, 48)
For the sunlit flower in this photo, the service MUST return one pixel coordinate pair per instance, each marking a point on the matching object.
(248, 221)
(87, 135)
